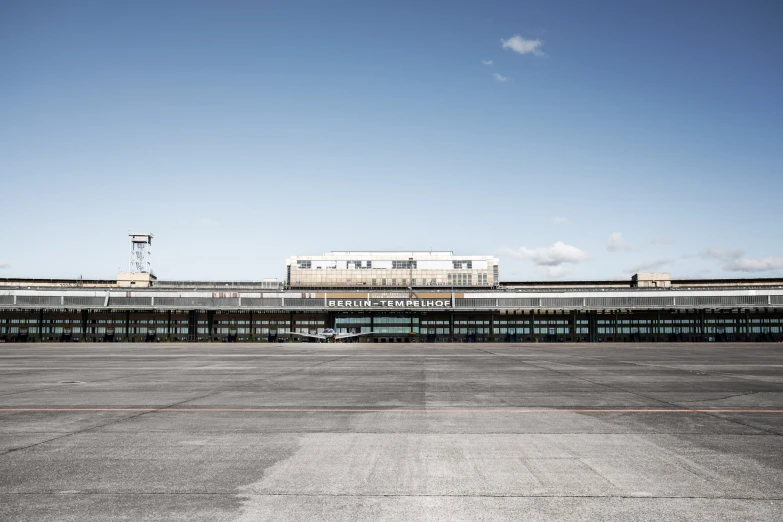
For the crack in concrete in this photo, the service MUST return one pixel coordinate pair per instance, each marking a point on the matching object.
(394, 495)
(617, 388)
(153, 410)
(721, 398)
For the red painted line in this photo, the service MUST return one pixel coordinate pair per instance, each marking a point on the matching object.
(371, 410)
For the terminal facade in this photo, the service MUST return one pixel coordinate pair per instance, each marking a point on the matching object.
(391, 270)
(137, 307)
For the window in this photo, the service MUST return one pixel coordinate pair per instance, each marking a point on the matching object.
(304, 264)
(403, 265)
(357, 265)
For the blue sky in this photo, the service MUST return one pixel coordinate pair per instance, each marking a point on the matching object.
(603, 137)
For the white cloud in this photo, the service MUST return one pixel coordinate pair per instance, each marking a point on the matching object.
(649, 266)
(555, 255)
(616, 243)
(717, 253)
(560, 220)
(733, 260)
(661, 240)
(4, 266)
(522, 45)
(499, 77)
(755, 265)
(487, 62)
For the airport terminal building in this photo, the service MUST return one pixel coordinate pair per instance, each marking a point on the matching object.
(399, 270)
(393, 297)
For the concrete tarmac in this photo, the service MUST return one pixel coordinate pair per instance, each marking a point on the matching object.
(248, 432)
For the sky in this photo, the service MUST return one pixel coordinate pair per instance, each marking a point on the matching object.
(572, 140)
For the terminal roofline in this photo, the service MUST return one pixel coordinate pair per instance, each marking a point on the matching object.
(504, 285)
(611, 283)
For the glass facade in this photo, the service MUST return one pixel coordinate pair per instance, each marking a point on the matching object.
(405, 325)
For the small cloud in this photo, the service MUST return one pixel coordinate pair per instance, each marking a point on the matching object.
(718, 253)
(561, 221)
(521, 45)
(733, 260)
(556, 255)
(649, 266)
(487, 62)
(662, 241)
(755, 265)
(3, 266)
(499, 77)
(616, 243)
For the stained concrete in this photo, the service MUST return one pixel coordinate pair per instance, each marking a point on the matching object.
(391, 432)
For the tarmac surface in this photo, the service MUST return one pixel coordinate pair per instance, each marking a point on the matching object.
(247, 432)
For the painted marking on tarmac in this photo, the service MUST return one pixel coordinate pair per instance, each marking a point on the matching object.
(332, 354)
(104, 368)
(374, 410)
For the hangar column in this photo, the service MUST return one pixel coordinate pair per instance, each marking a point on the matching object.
(84, 326)
(533, 326)
(331, 320)
(702, 337)
(573, 327)
(192, 326)
(40, 325)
